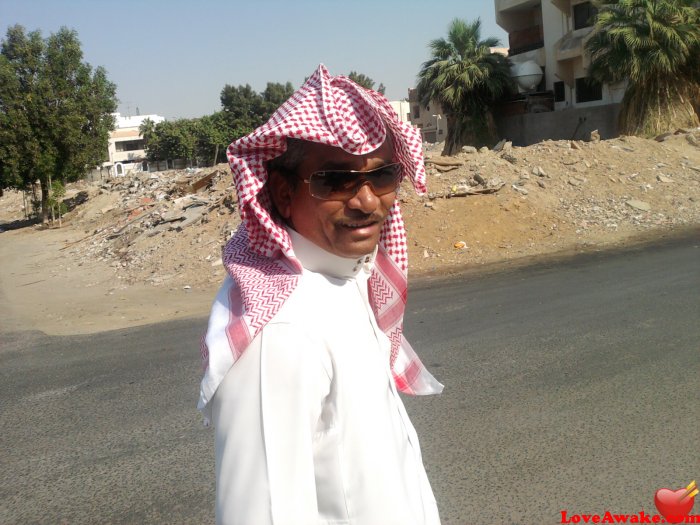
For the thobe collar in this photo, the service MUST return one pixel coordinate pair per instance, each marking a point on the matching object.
(315, 259)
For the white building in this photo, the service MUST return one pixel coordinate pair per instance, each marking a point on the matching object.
(402, 109)
(553, 34)
(126, 145)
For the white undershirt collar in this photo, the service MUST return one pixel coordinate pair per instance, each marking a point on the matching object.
(316, 259)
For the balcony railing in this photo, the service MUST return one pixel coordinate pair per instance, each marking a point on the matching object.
(525, 40)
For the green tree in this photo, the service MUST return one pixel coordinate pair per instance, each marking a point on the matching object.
(172, 139)
(466, 78)
(243, 107)
(146, 130)
(56, 110)
(213, 137)
(653, 45)
(365, 81)
(274, 96)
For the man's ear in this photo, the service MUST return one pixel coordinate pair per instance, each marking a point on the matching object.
(281, 192)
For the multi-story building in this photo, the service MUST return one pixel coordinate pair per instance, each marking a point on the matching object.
(429, 119)
(126, 145)
(553, 34)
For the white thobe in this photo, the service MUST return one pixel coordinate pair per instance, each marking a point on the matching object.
(309, 425)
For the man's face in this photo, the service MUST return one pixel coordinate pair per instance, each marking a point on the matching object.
(346, 228)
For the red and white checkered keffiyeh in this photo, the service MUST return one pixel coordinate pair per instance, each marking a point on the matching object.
(259, 257)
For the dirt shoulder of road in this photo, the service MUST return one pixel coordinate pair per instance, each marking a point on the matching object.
(147, 249)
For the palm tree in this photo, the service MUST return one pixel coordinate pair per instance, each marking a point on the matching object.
(466, 78)
(651, 44)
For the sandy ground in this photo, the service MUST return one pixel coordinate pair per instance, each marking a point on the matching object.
(39, 290)
(555, 199)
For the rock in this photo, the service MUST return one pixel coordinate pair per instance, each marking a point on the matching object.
(499, 146)
(520, 190)
(574, 145)
(483, 149)
(541, 184)
(478, 178)
(574, 182)
(538, 171)
(663, 178)
(469, 149)
(663, 137)
(638, 205)
(510, 158)
(595, 136)
(443, 161)
(691, 139)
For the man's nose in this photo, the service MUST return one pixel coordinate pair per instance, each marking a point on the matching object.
(365, 199)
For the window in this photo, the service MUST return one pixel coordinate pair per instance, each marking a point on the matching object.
(129, 145)
(588, 90)
(584, 15)
(416, 111)
(559, 94)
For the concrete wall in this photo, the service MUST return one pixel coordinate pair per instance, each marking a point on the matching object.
(569, 124)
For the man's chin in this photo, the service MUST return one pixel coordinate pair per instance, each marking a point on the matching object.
(356, 244)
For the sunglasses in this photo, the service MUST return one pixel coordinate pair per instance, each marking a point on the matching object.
(342, 185)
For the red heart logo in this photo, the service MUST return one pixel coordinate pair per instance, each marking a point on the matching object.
(674, 505)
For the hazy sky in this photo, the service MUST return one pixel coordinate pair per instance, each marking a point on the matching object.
(173, 57)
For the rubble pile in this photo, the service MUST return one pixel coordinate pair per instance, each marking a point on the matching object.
(155, 225)
(167, 228)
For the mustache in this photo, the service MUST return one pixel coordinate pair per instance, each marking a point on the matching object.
(364, 217)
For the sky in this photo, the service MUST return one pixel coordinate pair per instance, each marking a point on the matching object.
(173, 57)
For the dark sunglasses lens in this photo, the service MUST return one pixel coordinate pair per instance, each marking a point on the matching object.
(385, 180)
(340, 185)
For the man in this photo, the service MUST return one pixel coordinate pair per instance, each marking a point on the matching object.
(304, 352)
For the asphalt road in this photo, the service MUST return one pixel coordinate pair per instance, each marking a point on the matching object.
(570, 386)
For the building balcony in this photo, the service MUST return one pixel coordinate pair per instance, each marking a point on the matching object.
(512, 15)
(573, 44)
(563, 5)
(507, 5)
(129, 156)
(525, 40)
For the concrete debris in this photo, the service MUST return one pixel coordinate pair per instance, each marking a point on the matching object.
(510, 158)
(444, 161)
(500, 146)
(638, 205)
(167, 228)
